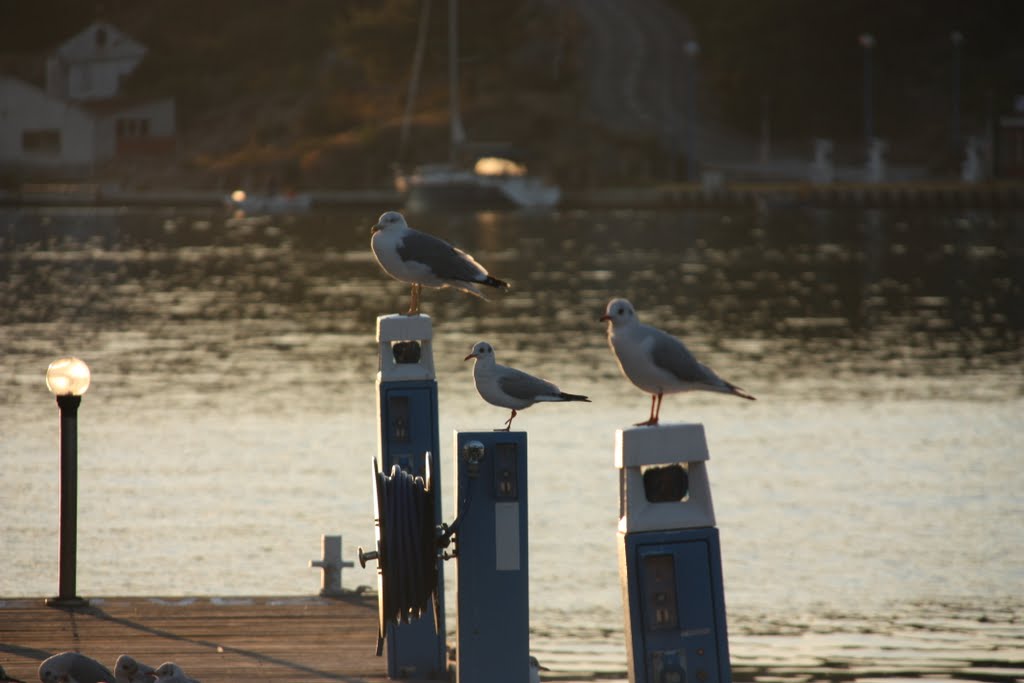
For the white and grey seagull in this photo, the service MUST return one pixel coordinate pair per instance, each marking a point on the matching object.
(657, 362)
(423, 260)
(73, 666)
(169, 672)
(129, 670)
(507, 387)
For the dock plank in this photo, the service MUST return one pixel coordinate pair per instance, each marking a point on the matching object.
(283, 639)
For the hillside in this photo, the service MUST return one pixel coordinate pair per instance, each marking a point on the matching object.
(311, 92)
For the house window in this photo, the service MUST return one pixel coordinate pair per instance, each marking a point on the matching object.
(44, 141)
(85, 78)
(132, 128)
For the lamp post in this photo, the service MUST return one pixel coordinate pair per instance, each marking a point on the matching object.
(68, 379)
(956, 38)
(692, 49)
(867, 41)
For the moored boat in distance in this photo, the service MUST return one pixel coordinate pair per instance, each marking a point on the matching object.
(492, 183)
(282, 202)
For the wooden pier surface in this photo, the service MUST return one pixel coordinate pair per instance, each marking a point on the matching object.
(286, 639)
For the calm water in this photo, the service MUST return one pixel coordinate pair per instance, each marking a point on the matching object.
(870, 502)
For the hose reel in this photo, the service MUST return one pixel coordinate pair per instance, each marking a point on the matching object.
(407, 540)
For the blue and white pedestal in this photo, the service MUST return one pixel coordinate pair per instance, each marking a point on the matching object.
(493, 588)
(407, 429)
(670, 561)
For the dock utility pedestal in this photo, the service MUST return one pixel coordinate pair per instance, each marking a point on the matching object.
(493, 589)
(408, 438)
(670, 562)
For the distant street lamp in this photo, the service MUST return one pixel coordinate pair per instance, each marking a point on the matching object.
(867, 41)
(692, 49)
(68, 379)
(766, 130)
(956, 38)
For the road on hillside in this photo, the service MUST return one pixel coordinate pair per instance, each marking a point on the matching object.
(636, 68)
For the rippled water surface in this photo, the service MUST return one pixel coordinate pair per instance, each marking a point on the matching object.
(870, 502)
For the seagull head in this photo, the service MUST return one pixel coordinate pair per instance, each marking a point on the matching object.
(167, 670)
(618, 312)
(389, 219)
(126, 665)
(57, 668)
(482, 351)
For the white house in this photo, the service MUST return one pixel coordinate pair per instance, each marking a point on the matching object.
(81, 118)
(89, 66)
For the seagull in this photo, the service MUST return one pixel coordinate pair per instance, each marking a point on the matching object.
(127, 670)
(169, 672)
(535, 669)
(507, 387)
(73, 666)
(657, 362)
(423, 260)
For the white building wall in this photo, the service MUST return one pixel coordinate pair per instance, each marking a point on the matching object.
(90, 64)
(106, 138)
(56, 78)
(98, 80)
(24, 107)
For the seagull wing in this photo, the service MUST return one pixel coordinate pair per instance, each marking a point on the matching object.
(671, 355)
(87, 670)
(444, 260)
(526, 387)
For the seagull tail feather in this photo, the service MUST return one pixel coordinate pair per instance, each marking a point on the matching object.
(467, 287)
(572, 397)
(495, 282)
(736, 391)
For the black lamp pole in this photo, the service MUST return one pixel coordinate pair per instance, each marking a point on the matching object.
(68, 557)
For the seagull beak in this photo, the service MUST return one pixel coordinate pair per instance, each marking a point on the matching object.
(375, 228)
(604, 318)
(472, 355)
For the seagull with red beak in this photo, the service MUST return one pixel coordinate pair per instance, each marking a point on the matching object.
(657, 362)
(507, 387)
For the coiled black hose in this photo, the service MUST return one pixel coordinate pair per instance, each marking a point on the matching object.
(408, 561)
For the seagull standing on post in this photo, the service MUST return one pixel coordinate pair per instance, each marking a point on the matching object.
(423, 260)
(657, 362)
(507, 387)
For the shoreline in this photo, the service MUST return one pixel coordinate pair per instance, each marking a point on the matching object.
(753, 195)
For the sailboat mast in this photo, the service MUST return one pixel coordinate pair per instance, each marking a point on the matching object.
(414, 79)
(458, 134)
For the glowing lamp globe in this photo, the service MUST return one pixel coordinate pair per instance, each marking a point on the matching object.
(67, 376)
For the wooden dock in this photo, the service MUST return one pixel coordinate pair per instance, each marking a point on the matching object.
(286, 639)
